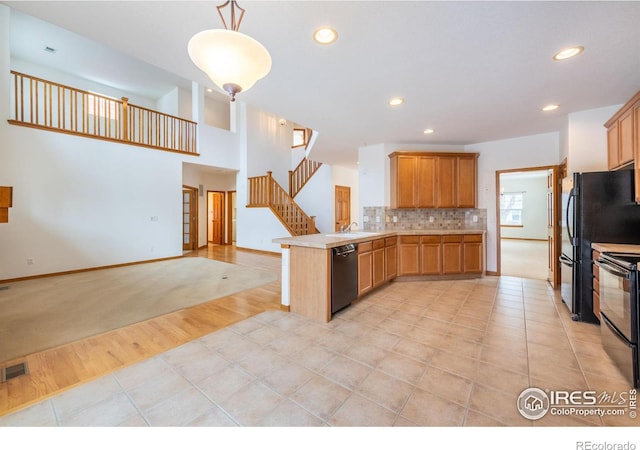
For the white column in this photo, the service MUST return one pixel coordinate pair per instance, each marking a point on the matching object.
(286, 298)
(197, 108)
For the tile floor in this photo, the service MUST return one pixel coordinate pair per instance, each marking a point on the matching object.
(438, 353)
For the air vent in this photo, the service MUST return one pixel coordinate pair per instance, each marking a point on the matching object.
(49, 49)
(14, 371)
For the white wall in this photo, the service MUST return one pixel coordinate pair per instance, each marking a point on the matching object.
(217, 113)
(518, 153)
(534, 212)
(587, 139)
(82, 203)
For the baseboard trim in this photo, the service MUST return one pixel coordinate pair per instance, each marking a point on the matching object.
(285, 308)
(89, 269)
(522, 239)
(266, 252)
(491, 273)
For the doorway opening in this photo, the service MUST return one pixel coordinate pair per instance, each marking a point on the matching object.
(527, 210)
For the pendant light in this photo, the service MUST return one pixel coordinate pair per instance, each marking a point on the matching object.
(233, 60)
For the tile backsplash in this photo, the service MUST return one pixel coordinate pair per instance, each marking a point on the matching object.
(377, 218)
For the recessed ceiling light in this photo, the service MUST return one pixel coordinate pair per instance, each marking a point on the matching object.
(209, 90)
(396, 101)
(550, 107)
(325, 35)
(429, 131)
(568, 53)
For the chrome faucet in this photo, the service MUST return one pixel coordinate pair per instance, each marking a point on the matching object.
(344, 229)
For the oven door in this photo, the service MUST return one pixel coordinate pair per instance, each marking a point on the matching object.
(623, 353)
(616, 296)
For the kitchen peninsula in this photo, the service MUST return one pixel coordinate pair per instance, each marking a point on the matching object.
(381, 257)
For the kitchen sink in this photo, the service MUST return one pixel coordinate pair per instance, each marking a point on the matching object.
(352, 234)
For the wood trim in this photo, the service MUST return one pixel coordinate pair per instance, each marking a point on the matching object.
(491, 273)
(622, 110)
(285, 308)
(88, 269)
(429, 153)
(102, 138)
(523, 239)
(228, 197)
(264, 252)
(511, 226)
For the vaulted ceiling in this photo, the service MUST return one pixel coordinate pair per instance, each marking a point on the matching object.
(473, 71)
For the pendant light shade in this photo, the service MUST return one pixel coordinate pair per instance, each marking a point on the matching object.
(233, 60)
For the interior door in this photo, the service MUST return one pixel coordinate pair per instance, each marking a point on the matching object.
(343, 207)
(553, 225)
(217, 218)
(189, 218)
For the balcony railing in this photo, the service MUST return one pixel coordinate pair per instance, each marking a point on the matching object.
(44, 104)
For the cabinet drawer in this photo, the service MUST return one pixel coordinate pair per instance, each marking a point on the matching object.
(409, 239)
(596, 285)
(452, 238)
(473, 238)
(596, 272)
(388, 242)
(378, 243)
(364, 247)
(431, 239)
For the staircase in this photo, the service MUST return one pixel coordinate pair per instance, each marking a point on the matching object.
(265, 192)
(299, 176)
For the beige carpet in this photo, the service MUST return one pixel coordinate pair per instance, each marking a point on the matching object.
(47, 312)
(524, 258)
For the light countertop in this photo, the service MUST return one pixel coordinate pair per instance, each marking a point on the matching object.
(331, 240)
(618, 248)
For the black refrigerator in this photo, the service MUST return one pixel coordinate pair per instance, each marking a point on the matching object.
(596, 207)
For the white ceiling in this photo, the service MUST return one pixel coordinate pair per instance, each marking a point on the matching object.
(474, 71)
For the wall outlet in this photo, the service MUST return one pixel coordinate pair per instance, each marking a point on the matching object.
(430, 219)
(395, 219)
(474, 219)
(30, 261)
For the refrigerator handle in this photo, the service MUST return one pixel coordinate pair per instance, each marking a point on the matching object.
(572, 197)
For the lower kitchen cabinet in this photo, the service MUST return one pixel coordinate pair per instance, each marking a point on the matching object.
(391, 258)
(365, 267)
(378, 263)
(472, 251)
(431, 255)
(449, 254)
(452, 254)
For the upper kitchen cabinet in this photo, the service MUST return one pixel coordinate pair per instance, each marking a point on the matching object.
(623, 139)
(433, 180)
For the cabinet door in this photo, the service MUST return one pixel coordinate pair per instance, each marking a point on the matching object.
(427, 177)
(365, 272)
(409, 255)
(431, 255)
(613, 156)
(446, 192)
(406, 182)
(625, 138)
(391, 261)
(378, 267)
(452, 254)
(473, 257)
(466, 182)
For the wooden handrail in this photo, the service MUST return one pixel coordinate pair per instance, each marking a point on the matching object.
(264, 191)
(40, 103)
(299, 176)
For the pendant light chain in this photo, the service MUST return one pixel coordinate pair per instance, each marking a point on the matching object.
(235, 26)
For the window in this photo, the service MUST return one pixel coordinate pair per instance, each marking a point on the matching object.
(101, 106)
(511, 209)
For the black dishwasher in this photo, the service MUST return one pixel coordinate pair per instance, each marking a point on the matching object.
(344, 276)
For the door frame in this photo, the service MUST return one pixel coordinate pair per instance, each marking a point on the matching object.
(194, 216)
(223, 228)
(230, 205)
(556, 205)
